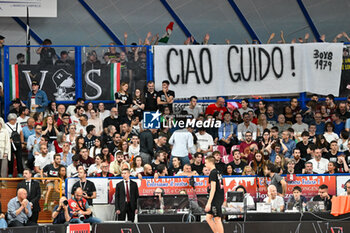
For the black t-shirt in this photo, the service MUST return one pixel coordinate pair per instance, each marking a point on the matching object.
(331, 157)
(173, 171)
(123, 106)
(238, 169)
(303, 150)
(151, 101)
(50, 170)
(154, 166)
(88, 188)
(109, 121)
(89, 142)
(161, 95)
(112, 148)
(220, 166)
(299, 166)
(197, 168)
(46, 56)
(219, 189)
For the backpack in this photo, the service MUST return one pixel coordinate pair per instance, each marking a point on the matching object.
(16, 138)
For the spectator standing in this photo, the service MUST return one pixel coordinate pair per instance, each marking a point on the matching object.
(165, 97)
(193, 109)
(88, 187)
(5, 148)
(37, 99)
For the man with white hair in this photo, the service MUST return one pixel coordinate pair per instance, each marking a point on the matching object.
(19, 210)
(277, 202)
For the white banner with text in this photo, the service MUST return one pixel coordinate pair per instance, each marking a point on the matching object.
(226, 70)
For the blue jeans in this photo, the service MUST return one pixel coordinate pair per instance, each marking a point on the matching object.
(184, 160)
(3, 223)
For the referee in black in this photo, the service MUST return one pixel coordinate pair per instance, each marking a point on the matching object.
(216, 197)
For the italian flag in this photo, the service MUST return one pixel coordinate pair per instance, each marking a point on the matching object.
(14, 86)
(115, 78)
(168, 31)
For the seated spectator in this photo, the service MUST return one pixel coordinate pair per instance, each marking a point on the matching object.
(136, 166)
(227, 133)
(303, 145)
(105, 170)
(329, 133)
(258, 164)
(176, 166)
(43, 159)
(294, 105)
(61, 138)
(19, 210)
(323, 196)
(62, 213)
(147, 144)
(187, 171)
(96, 121)
(102, 112)
(299, 126)
(81, 127)
(165, 97)
(81, 210)
(297, 200)
(248, 171)
(280, 163)
(219, 107)
(262, 124)
(309, 167)
(65, 124)
(288, 115)
(95, 168)
(72, 169)
(197, 164)
(277, 148)
(249, 199)
(134, 148)
(205, 142)
(341, 164)
(333, 152)
(147, 172)
(339, 125)
(194, 109)
(289, 143)
(282, 125)
(271, 117)
(320, 125)
(115, 166)
(90, 137)
(62, 174)
(66, 155)
(277, 202)
(246, 126)
(320, 165)
(347, 189)
(88, 187)
(206, 171)
(237, 164)
(290, 168)
(85, 159)
(162, 170)
(160, 159)
(248, 147)
(299, 164)
(343, 141)
(228, 170)
(332, 168)
(245, 107)
(28, 129)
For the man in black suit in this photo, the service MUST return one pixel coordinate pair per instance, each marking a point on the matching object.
(34, 193)
(126, 195)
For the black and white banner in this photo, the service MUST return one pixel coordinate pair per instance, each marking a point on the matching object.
(212, 70)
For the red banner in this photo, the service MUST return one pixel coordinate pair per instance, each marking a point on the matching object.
(309, 185)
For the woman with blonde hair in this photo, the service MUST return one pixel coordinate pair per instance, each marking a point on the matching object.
(5, 148)
(248, 171)
(280, 163)
(262, 124)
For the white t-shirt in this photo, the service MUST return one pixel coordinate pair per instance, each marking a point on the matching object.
(134, 151)
(78, 129)
(75, 120)
(21, 121)
(275, 203)
(105, 114)
(204, 141)
(92, 169)
(319, 167)
(331, 137)
(72, 171)
(10, 128)
(298, 129)
(41, 161)
(195, 111)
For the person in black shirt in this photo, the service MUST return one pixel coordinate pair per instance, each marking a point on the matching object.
(299, 163)
(151, 98)
(324, 196)
(172, 171)
(47, 54)
(160, 159)
(112, 120)
(303, 145)
(237, 164)
(113, 147)
(213, 207)
(123, 99)
(198, 165)
(90, 136)
(50, 170)
(89, 189)
(165, 97)
(220, 166)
